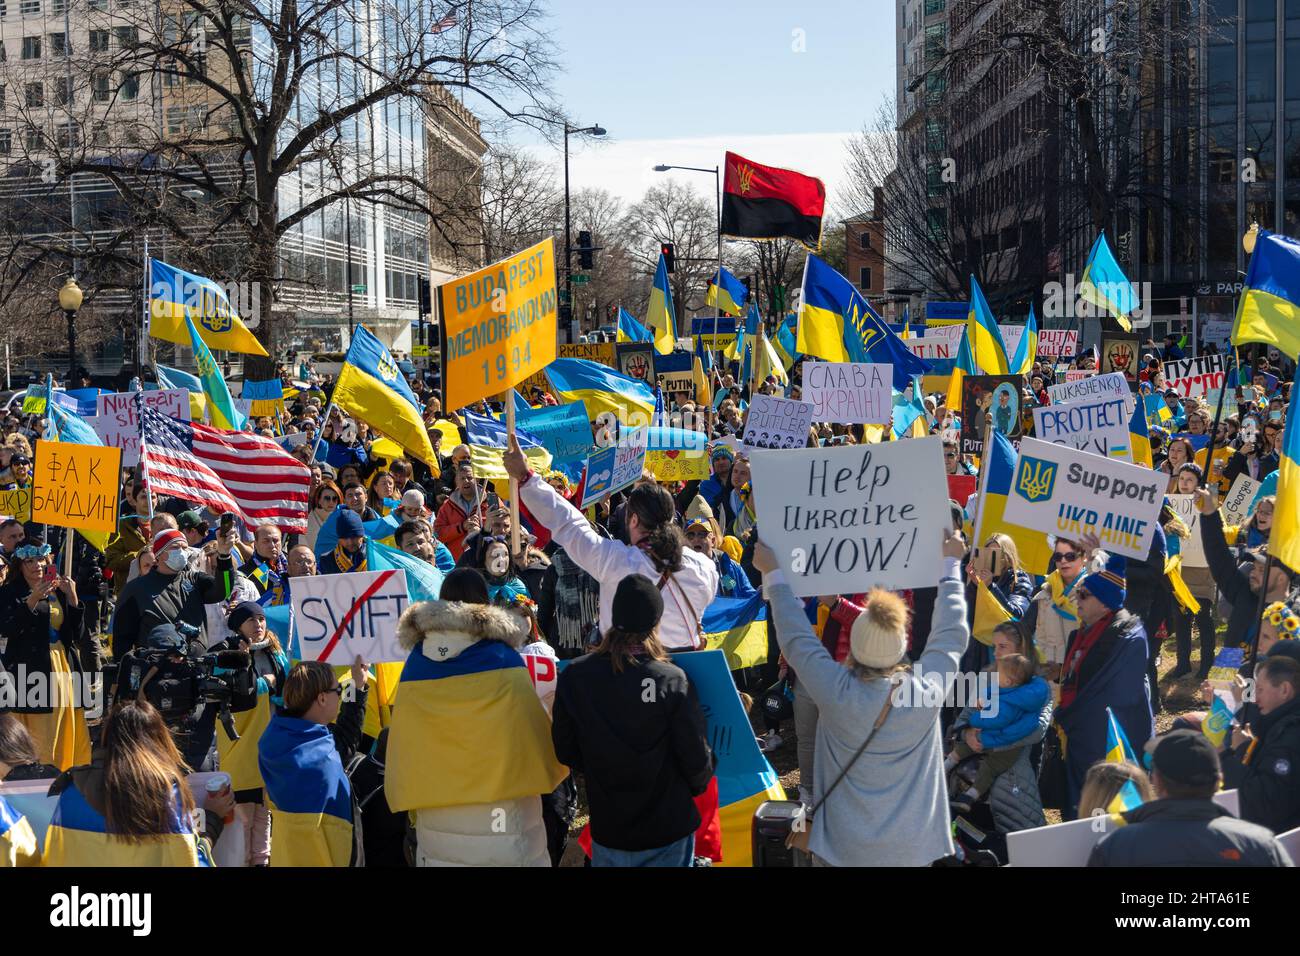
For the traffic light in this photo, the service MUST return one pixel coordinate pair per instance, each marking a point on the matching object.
(666, 250)
(426, 298)
(584, 250)
(748, 283)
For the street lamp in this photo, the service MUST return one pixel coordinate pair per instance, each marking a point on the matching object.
(596, 130)
(717, 196)
(70, 297)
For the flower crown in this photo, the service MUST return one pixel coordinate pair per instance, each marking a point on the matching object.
(1285, 618)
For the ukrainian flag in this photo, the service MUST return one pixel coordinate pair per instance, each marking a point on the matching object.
(500, 749)
(1127, 799)
(746, 340)
(630, 330)
(1118, 749)
(175, 378)
(221, 406)
(1269, 310)
(1022, 363)
(307, 792)
(785, 343)
(1105, 285)
(907, 412)
(371, 388)
(78, 835)
(488, 442)
(1284, 542)
(1001, 464)
(726, 292)
(601, 389)
(986, 345)
(176, 295)
(989, 613)
(17, 841)
(1217, 722)
(659, 315)
(1139, 436)
(1155, 406)
(738, 628)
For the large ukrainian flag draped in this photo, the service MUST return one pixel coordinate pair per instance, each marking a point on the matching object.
(600, 388)
(221, 406)
(1105, 285)
(727, 293)
(1001, 464)
(78, 836)
(307, 792)
(659, 315)
(175, 295)
(17, 841)
(1284, 542)
(1269, 309)
(370, 387)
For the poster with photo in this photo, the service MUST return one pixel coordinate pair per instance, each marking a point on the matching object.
(992, 401)
(1121, 352)
(636, 360)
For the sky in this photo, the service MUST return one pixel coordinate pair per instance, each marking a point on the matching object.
(679, 82)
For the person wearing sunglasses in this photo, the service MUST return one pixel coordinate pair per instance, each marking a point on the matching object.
(1052, 613)
(324, 501)
(953, 462)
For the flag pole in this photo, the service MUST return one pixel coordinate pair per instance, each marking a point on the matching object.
(1259, 611)
(508, 399)
(49, 416)
(320, 432)
(147, 276)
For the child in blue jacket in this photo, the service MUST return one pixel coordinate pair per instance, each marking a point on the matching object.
(1011, 715)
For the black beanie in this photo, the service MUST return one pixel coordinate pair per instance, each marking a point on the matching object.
(638, 605)
(242, 612)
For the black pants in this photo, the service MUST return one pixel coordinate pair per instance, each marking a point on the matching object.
(558, 810)
(202, 736)
(1205, 624)
(1157, 613)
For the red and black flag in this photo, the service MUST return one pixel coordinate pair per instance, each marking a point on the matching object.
(764, 202)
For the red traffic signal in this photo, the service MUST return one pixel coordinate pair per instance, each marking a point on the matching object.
(666, 250)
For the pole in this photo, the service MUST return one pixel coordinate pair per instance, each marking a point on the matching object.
(717, 196)
(347, 241)
(147, 274)
(568, 242)
(509, 401)
(329, 410)
(72, 344)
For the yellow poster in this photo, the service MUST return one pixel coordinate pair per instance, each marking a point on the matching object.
(602, 353)
(678, 465)
(17, 504)
(75, 486)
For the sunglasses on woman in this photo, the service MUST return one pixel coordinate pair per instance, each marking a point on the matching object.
(329, 499)
(1068, 555)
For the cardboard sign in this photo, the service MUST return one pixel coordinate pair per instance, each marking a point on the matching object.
(1088, 387)
(498, 325)
(613, 469)
(941, 343)
(1237, 502)
(1053, 343)
(564, 430)
(17, 504)
(1062, 491)
(115, 420)
(991, 401)
(678, 465)
(600, 352)
(636, 360)
(844, 519)
(1190, 548)
(339, 616)
(775, 422)
(675, 372)
(76, 486)
(1100, 426)
(1195, 377)
(849, 392)
(1121, 353)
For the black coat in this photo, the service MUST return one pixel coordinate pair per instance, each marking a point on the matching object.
(1187, 833)
(1233, 582)
(25, 636)
(640, 739)
(1269, 789)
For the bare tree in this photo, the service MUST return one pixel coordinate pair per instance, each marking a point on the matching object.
(521, 203)
(678, 214)
(615, 278)
(777, 266)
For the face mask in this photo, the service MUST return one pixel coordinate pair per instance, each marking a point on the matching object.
(176, 559)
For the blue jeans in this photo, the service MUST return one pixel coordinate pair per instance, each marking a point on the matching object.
(680, 853)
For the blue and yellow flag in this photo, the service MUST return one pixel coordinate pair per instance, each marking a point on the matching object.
(745, 340)
(659, 316)
(908, 411)
(986, 345)
(488, 442)
(1118, 749)
(1022, 363)
(1139, 436)
(965, 365)
(1284, 542)
(175, 378)
(1269, 310)
(989, 613)
(1217, 723)
(785, 343)
(726, 292)
(221, 406)
(1105, 285)
(630, 330)
(1034, 550)
(767, 363)
(1128, 798)
(176, 295)
(78, 835)
(738, 628)
(307, 792)
(371, 387)
(17, 841)
(601, 389)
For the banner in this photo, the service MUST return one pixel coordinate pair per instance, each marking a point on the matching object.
(702, 332)
(842, 520)
(1236, 503)
(1121, 353)
(678, 465)
(1089, 387)
(675, 372)
(850, 392)
(498, 325)
(17, 504)
(1195, 377)
(991, 401)
(775, 422)
(116, 423)
(1058, 490)
(338, 616)
(1053, 343)
(600, 352)
(636, 360)
(1099, 426)
(76, 486)
(563, 430)
(613, 469)
(1191, 548)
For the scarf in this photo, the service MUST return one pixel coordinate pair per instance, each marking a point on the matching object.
(347, 562)
(271, 580)
(1088, 639)
(1059, 591)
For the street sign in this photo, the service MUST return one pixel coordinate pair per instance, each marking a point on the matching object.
(580, 279)
(359, 289)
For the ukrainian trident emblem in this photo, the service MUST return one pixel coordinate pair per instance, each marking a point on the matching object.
(1035, 479)
(746, 176)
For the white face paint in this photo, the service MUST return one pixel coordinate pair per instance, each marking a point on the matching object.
(497, 560)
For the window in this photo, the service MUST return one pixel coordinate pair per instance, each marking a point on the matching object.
(935, 137)
(30, 8)
(98, 4)
(35, 140)
(175, 119)
(6, 141)
(99, 134)
(864, 278)
(62, 91)
(31, 48)
(864, 239)
(130, 86)
(127, 37)
(2, 96)
(69, 135)
(4, 10)
(934, 6)
(101, 88)
(935, 38)
(58, 6)
(98, 41)
(58, 44)
(35, 97)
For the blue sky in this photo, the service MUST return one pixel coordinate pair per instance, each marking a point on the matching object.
(678, 82)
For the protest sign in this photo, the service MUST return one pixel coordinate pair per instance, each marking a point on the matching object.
(17, 504)
(675, 372)
(1089, 387)
(1011, 335)
(339, 616)
(76, 486)
(844, 519)
(849, 392)
(613, 469)
(636, 360)
(1195, 377)
(713, 333)
(961, 487)
(1099, 426)
(1190, 548)
(1119, 353)
(991, 401)
(601, 353)
(498, 325)
(775, 422)
(678, 464)
(116, 423)
(1063, 491)
(1078, 374)
(563, 430)
(941, 343)
(1236, 503)
(1053, 343)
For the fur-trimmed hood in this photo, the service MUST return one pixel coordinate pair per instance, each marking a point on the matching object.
(455, 623)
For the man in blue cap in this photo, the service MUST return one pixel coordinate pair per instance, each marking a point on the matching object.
(350, 553)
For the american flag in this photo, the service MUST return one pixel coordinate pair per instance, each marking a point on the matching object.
(446, 23)
(225, 471)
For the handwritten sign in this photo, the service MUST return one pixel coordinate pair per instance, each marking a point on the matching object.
(75, 486)
(1190, 548)
(1100, 426)
(775, 422)
(1237, 502)
(842, 520)
(1077, 374)
(17, 504)
(613, 469)
(848, 392)
(1053, 343)
(1195, 377)
(499, 325)
(675, 372)
(115, 420)
(989, 402)
(563, 430)
(678, 465)
(339, 616)
(637, 360)
(1089, 387)
(1066, 492)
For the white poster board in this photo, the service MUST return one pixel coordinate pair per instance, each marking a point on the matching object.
(1190, 548)
(1057, 342)
(850, 392)
(1099, 426)
(614, 468)
(775, 422)
(1058, 490)
(115, 419)
(339, 616)
(1195, 377)
(1236, 504)
(1091, 387)
(844, 519)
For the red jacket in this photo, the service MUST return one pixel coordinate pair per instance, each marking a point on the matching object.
(448, 525)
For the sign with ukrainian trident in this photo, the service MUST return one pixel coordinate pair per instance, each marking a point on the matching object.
(1070, 493)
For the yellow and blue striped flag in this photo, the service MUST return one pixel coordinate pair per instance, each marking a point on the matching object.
(1139, 436)
(728, 293)
(630, 330)
(1127, 799)
(1284, 542)
(784, 343)
(1022, 363)
(738, 628)
(78, 835)
(17, 841)
(1035, 552)
(1217, 722)
(659, 316)
(221, 406)
(1118, 749)
(986, 345)
(176, 295)
(307, 792)
(601, 389)
(1269, 309)
(371, 388)
(1105, 285)
(965, 365)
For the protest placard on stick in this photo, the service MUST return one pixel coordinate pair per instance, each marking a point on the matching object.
(775, 422)
(1099, 426)
(76, 486)
(849, 392)
(1195, 377)
(339, 616)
